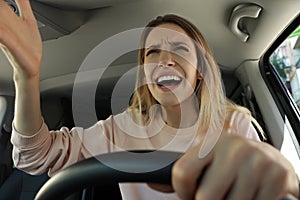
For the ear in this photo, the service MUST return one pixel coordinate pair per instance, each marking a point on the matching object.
(199, 80)
(199, 76)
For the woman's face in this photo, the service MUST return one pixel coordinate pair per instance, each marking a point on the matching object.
(170, 64)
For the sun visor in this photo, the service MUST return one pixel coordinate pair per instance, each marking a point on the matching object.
(54, 22)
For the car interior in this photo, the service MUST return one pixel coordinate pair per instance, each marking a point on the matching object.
(241, 34)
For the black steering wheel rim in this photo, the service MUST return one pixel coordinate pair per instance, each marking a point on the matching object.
(110, 168)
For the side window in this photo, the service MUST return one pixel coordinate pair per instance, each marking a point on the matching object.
(281, 70)
(286, 61)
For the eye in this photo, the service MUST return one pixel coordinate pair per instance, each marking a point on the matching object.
(182, 48)
(151, 51)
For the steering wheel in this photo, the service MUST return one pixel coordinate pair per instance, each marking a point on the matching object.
(110, 168)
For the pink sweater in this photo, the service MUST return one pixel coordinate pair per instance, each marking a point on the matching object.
(54, 150)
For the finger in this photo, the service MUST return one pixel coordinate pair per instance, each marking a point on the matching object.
(5, 11)
(231, 163)
(7, 22)
(223, 171)
(186, 171)
(216, 183)
(280, 179)
(250, 176)
(25, 9)
(273, 184)
(245, 187)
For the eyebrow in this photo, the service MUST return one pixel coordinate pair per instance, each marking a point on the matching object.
(154, 46)
(176, 43)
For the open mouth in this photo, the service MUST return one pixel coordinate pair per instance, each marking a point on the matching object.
(168, 81)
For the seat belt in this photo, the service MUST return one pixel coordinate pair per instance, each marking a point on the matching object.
(247, 100)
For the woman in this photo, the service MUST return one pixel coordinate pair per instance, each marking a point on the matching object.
(178, 105)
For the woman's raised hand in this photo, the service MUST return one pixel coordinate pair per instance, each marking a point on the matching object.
(21, 42)
(20, 39)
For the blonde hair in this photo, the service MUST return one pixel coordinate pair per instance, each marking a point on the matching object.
(213, 104)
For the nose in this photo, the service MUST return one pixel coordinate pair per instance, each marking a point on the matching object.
(166, 59)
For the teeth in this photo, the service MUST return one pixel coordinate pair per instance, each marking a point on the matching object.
(168, 78)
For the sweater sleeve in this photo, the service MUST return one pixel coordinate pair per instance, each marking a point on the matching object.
(54, 150)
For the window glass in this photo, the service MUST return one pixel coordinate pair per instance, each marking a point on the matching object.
(286, 61)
